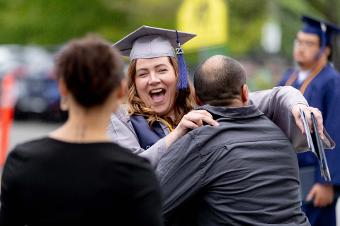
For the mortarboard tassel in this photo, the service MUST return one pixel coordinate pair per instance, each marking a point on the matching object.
(323, 39)
(183, 74)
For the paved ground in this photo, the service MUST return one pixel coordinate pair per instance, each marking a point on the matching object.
(22, 131)
(26, 130)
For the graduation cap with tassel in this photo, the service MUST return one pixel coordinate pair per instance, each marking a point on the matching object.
(325, 30)
(151, 42)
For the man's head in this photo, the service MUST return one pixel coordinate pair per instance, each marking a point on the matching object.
(313, 42)
(221, 81)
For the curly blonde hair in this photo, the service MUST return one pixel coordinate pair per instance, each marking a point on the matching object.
(184, 99)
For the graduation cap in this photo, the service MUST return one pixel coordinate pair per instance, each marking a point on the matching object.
(151, 42)
(323, 29)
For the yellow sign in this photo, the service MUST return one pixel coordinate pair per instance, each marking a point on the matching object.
(206, 18)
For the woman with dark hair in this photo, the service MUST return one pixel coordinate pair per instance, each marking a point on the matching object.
(160, 103)
(76, 175)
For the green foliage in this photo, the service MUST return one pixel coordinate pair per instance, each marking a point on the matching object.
(50, 22)
(246, 18)
(53, 22)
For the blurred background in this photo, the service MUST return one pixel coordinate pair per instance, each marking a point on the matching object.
(259, 33)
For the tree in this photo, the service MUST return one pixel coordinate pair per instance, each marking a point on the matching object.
(50, 22)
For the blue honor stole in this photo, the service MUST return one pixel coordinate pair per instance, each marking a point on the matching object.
(146, 135)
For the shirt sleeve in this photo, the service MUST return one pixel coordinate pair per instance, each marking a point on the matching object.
(122, 133)
(179, 173)
(277, 104)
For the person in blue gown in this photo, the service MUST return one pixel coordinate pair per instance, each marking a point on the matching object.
(319, 82)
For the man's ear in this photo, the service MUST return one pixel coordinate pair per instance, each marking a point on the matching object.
(198, 101)
(245, 94)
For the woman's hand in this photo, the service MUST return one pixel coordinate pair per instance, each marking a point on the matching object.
(191, 120)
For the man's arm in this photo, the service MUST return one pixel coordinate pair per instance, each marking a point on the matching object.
(277, 103)
(281, 105)
(179, 173)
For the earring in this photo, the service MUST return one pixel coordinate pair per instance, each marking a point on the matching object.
(63, 103)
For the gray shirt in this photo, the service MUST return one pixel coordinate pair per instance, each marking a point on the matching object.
(243, 172)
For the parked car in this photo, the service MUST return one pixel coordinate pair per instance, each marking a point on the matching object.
(10, 58)
(36, 90)
(38, 97)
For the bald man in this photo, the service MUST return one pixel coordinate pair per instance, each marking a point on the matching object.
(243, 172)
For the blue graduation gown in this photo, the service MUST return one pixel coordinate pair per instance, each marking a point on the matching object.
(323, 92)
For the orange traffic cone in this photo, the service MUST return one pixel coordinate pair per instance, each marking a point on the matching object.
(6, 114)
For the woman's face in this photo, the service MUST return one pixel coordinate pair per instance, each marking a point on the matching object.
(156, 84)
